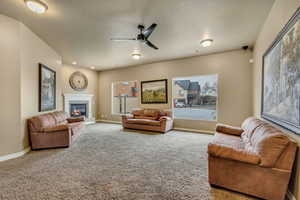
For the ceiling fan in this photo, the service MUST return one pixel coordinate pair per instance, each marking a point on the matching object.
(142, 36)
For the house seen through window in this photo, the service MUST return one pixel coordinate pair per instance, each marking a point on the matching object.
(195, 97)
(125, 97)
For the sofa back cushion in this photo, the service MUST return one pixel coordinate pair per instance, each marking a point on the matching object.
(269, 142)
(60, 117)
(38, 123)
(249, 126)
(138, 112)
(151, 114)
(155, 114)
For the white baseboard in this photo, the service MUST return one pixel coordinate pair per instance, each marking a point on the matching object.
(89, 122)
(194, 130)
(108, 121)
(14, 155)
(290, 196)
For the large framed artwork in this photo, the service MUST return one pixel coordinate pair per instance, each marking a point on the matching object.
(47, 88)
(154, 92)
(281, 78)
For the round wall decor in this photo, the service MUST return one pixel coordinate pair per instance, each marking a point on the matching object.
(78, 81)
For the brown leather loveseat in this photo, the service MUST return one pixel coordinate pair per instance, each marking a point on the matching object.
(149, 119)
(256, 159)
(54, 130)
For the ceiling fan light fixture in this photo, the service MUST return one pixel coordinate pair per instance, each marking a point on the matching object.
(36, 6)
(206, 43)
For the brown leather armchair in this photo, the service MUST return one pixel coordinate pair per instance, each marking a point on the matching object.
(256, 159)
(54, 130)
(149, 119)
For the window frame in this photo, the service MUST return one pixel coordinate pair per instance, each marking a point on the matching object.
(112, 96)
(191, 119)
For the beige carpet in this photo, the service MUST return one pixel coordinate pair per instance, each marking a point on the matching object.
(107, 163)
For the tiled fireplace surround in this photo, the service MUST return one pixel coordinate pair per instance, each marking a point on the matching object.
(78, 99)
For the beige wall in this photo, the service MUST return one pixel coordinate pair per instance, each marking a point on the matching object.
(92, 83)
(233, 68)
(10, 90)
(34, 51)
(278, 17)
(21, 51)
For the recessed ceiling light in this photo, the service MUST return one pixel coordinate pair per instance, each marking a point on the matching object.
(36, 6)
(206, 43)
(74, 63)
(92, 67)
(136, 56)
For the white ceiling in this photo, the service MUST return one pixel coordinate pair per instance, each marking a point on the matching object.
(80, 30)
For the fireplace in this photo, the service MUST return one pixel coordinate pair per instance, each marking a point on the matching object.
(78, 109)
(80, 105)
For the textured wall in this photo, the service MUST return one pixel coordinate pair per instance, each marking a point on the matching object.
(10, 91)
(278, 17)
(34, 51)
(21, 51)
(92, 86)
(235, 85)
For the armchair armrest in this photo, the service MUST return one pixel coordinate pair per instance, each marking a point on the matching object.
(165, 118)
(233, 154)
(166, 123)
(127, 116)
(231, 130)
(56, 129)
(75, 119)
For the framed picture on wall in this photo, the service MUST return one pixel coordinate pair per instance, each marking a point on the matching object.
(154, 92)
(47, 88)
(281, 78)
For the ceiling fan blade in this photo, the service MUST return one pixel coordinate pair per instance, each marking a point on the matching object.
(122, 39)
(149, 30)
(151, 45)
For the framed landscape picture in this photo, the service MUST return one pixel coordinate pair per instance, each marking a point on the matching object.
(281, 78)
(47, 88)
(154, 92)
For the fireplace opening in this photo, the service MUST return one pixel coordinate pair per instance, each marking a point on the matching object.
(78, 110)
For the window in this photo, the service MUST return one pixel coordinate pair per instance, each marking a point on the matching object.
(195, 97)
(125, 97)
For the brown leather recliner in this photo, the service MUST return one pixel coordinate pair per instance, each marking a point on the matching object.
(54, 130)
(256, 159)
(149, 119)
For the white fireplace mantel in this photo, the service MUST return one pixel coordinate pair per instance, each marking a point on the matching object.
(80, 98)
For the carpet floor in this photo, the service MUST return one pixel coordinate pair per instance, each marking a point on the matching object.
(109, 163)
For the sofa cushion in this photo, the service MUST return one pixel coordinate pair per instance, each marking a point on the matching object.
(144, 122)
(228, 140)
(137, 112)
(152, 113)
(233, 154)
(56, 128)
(60, 117)
(269, 142)
(232, 147)
(37, 124)
(144, 117)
